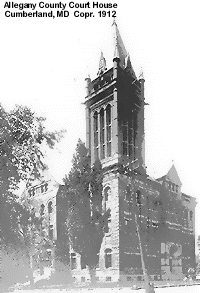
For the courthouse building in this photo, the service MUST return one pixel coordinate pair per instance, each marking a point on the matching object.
(115, 103)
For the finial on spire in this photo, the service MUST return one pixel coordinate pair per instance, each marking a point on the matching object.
(114, 22)
(141, 76)
(102, 65)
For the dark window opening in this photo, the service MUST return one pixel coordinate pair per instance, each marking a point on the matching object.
(138, 198)
(102, 134)
(42, 207)
(73, 261)
(108, 129)
(51, 232)
(108, 258)
(96, 139)
(50, 207)
(83, 264)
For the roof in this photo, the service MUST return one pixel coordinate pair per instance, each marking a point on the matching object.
(172, 175)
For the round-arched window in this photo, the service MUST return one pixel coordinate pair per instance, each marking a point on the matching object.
(50, 207)
(107, 197)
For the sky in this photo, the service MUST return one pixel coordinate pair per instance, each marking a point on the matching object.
(44, 63)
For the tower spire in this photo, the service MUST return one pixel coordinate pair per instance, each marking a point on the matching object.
(119, 48)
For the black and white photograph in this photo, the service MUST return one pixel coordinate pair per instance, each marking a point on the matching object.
(100, 146)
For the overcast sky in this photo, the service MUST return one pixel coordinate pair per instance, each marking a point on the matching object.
(45, 61)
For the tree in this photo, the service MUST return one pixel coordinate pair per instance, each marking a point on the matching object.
(86, 219)
(23, 138)
(198, 257)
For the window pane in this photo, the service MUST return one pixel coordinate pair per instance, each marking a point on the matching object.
(102, 136)
(108, 133)
(51, 231)
(108, 149)
(108, 258)
(96, 139)
(130, 150)
(102, 118)
(125, 151)
(102, 151)
(73, 261)
(96, 153)
(50, 207)
(95, 121)
(108, 115)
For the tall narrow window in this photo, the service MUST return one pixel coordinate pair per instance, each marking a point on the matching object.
(107, 198)
(96, 142)
(108, 258)
(102, 134)
(51, 232)
(73, 261)
(108, 130)
(42, 210)
(50, 207)
(191, 215)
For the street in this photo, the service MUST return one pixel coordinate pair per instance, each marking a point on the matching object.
(186, 289)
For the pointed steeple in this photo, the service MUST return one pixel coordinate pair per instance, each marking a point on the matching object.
(119, 48)
(102, 65)
(173, 175)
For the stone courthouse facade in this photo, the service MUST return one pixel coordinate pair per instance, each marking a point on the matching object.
(166, 216)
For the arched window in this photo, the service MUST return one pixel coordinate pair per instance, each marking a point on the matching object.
(108, 129)
(107, 197)
(50, 207)
(102, 134)
(191, 215)
(96, 141)
(108, 258)
(42, 207)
